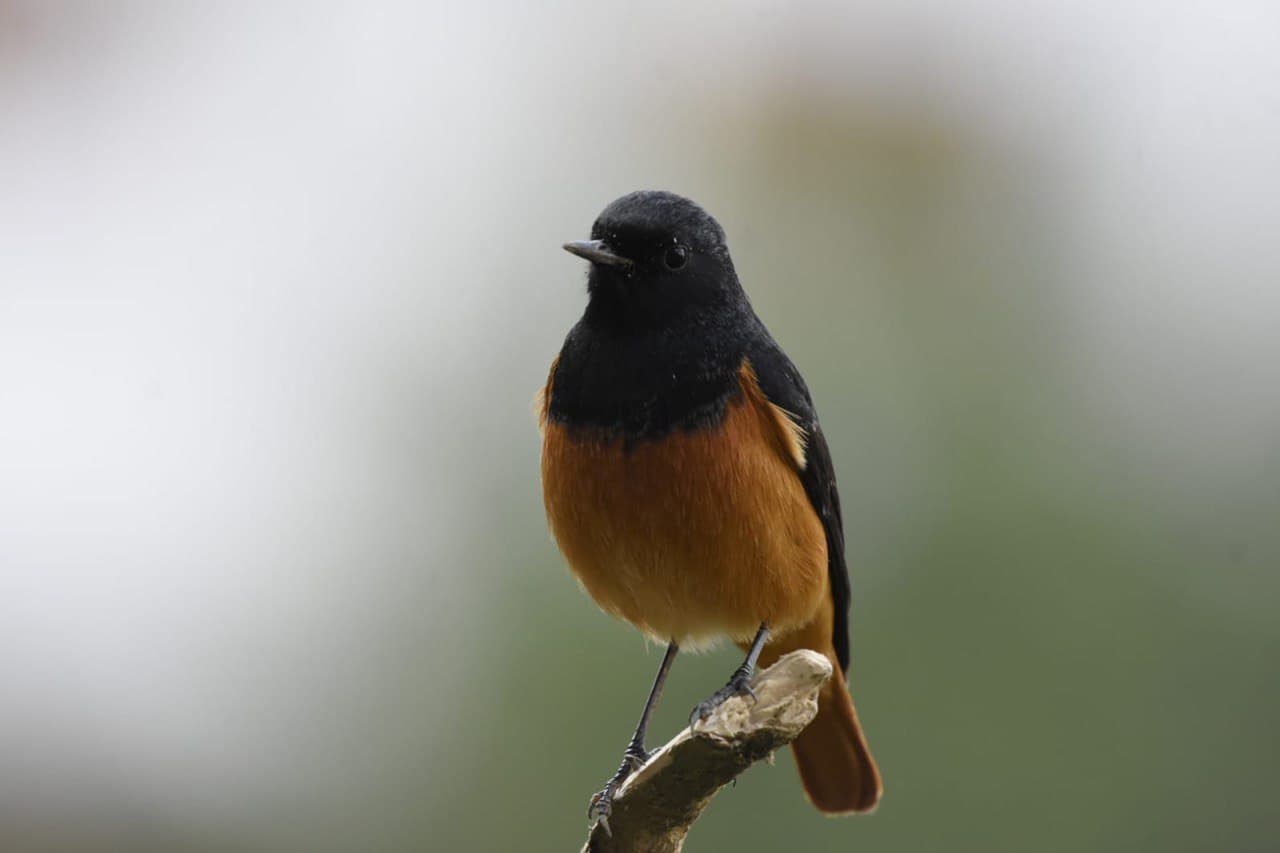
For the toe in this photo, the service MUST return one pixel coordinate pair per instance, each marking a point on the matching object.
(636, 760)
(600, 809)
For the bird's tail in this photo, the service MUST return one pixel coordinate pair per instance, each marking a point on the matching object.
(837, 769)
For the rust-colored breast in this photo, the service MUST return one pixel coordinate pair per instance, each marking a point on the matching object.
(699, 534)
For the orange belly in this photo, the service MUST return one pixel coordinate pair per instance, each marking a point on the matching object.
(697, 535)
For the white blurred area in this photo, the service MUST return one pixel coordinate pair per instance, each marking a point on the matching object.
(277, 282)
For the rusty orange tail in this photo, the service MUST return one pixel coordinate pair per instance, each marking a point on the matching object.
(837, 769)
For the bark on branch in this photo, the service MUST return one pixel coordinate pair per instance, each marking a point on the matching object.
(656, 807)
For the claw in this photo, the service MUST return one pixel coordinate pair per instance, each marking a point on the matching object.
(602, 801)
(637, 759)
(739, 685)
(600, 809)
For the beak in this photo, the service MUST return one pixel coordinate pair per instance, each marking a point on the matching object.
(594, 251)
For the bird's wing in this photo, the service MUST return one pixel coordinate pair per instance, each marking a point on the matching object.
(783, 385)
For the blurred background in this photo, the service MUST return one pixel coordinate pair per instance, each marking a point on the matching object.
(278, 282)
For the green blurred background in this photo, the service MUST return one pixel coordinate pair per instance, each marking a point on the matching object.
(278, 283)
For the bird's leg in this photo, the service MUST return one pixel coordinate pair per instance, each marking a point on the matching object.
(635, 755)
(739, 683)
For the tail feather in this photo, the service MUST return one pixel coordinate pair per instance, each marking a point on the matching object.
(836, 767)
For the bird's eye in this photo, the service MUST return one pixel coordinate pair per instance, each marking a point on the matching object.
(676, 257)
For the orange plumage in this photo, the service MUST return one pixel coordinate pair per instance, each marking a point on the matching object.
(709, 533)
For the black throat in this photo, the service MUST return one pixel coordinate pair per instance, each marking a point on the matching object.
(628, 377)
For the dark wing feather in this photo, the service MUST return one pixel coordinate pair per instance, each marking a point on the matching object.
(782, 383)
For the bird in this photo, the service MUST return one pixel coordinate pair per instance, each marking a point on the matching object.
(688, 484)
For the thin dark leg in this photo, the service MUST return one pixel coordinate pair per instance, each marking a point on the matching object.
(739, 683)
(636, 749)
(635, 755)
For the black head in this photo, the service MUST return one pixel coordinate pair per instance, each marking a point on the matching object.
(656, 256)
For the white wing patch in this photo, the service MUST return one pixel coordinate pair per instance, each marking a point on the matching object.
(796, 438)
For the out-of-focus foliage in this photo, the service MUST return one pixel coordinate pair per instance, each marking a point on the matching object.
(277, 286)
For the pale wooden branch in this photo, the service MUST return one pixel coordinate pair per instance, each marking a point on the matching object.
(656, 807)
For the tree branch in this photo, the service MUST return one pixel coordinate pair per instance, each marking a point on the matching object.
(656, 807)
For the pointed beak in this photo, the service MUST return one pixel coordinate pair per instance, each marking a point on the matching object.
(595, 251)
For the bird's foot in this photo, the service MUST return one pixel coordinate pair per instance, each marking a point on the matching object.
(739, 685)
(635, 757)
(601, 805)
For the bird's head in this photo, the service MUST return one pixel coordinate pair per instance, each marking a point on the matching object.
(654, 256)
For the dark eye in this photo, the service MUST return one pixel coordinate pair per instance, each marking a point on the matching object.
(676, 257)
